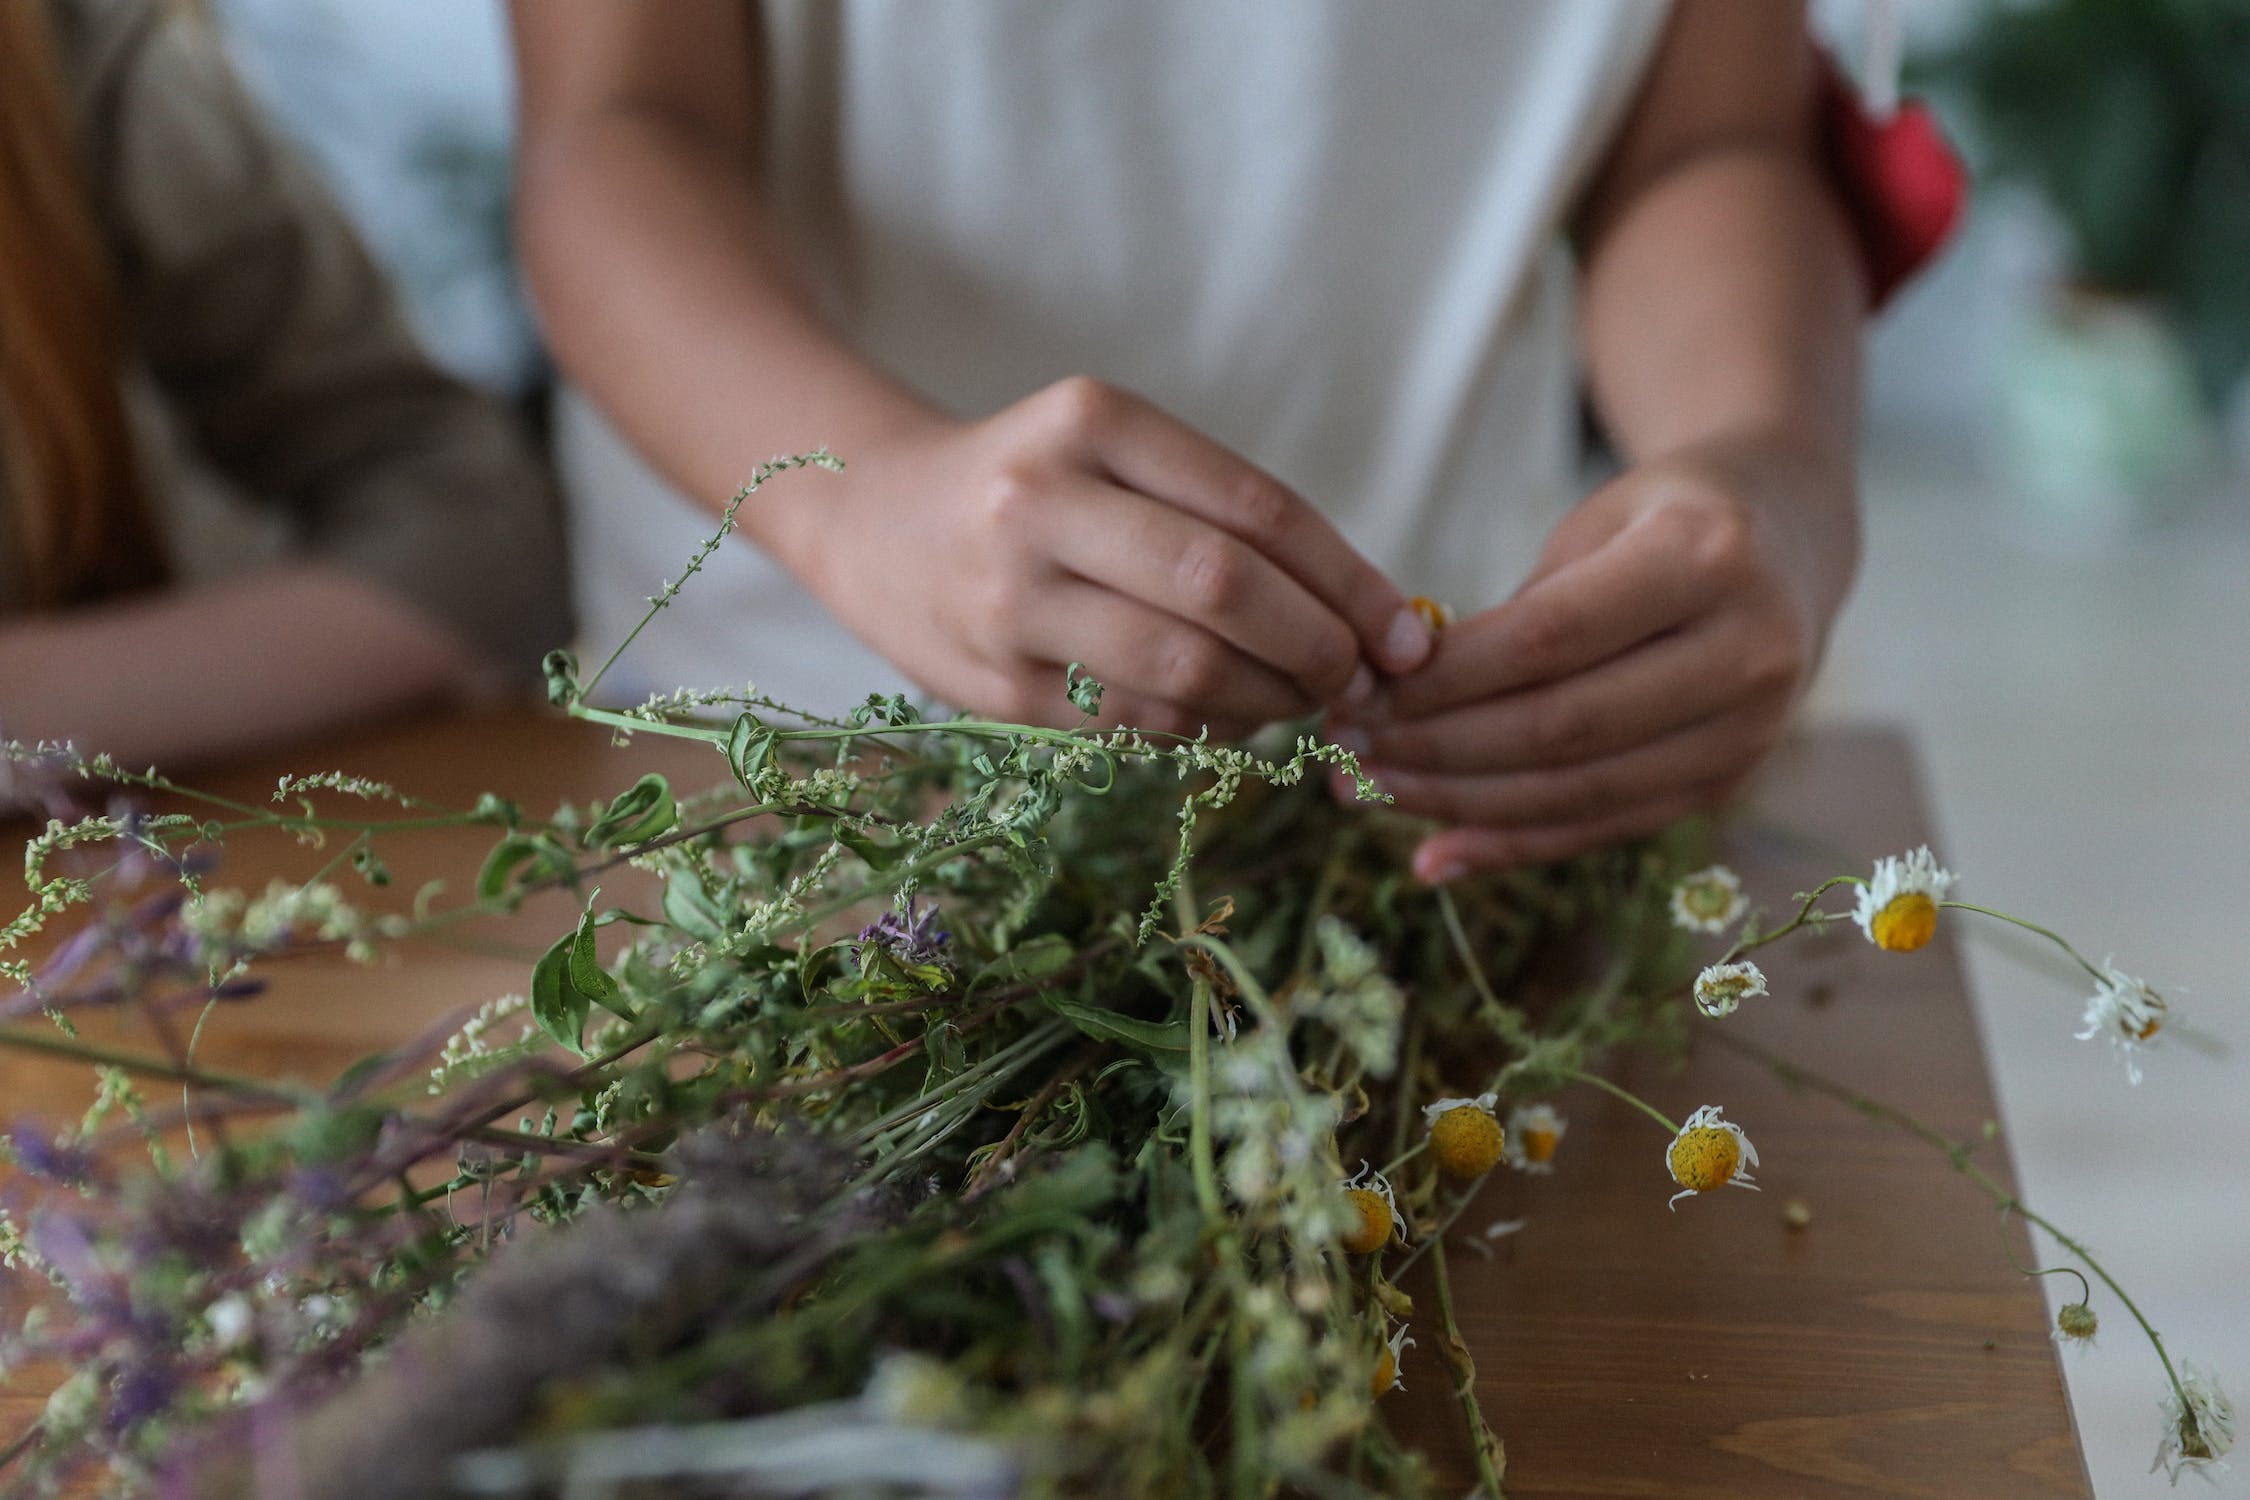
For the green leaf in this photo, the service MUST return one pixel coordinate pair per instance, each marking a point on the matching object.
(521, 859)
(643, 812)
(750, 749)
(879, 857)
(561, 669)
(1041, 958)
(1111, 1026)
(688, 905)
(586, 972)
(556, 1004)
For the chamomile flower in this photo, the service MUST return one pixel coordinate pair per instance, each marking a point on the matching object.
(1898, 908)
(1710, 900)
(1534, 1131)
(1465, 1137)
(1722, 987)
(2198, 1431)
(2077, 1323)
(2126, 1011)
(1386, 1377)
(1375, 1211)
(1709, 1153)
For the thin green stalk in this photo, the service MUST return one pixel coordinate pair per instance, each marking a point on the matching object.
(1646, 1108)
(2049, 934)
(147, 1067)
(1514, 1030)
(1957, 1153)
(1481, 1440)
(1200, 1157)
(1803, 917)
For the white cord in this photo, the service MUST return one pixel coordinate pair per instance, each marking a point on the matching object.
(1879, 65)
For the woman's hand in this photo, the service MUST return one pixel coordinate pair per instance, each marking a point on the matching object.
(1083, 524)
(1640, 673)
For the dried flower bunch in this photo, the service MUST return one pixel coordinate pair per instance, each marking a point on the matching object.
(969, 1113)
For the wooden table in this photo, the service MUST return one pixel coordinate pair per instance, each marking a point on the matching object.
(1622, 1350)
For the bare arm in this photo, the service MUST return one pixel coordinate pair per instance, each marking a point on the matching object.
(214, 671)
(1079, 524)
(1676, 614)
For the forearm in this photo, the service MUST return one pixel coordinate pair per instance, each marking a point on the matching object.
(1724, 304)
(226, 668)
(665, 297)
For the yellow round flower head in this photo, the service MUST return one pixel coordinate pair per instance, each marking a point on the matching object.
(2076, 1321)
(1375, 1212)
(1534, 1131)
(1465, 1139)
(1898, 907)
(1709, 1153)
(1708, 901)
(1386, 1363)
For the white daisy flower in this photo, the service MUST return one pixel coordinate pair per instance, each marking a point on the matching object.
(2076, 1323)
(2199, 1432)
(1436, 1107)
(1722, 987)
(1534, 1131)
(1710, 900)
(1709, 1153)
(1898, 908)
(1375, 1217)
(2126, 1011)
(1386, 1377)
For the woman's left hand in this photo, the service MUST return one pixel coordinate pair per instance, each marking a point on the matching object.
(1639, 674)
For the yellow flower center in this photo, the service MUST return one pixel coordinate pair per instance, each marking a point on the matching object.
(1374, 1227)
(1538, 1145)
(1906, 922)
(1707, 899)
(1704, 1158)
(2077, 1321)
(1466, 1141)
(1386, 1373)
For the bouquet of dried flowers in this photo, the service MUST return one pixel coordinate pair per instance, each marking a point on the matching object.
(972, 1109)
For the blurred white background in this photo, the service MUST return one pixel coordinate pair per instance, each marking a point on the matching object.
(2073, 666)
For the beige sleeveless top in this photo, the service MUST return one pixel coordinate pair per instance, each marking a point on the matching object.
(1327, 232)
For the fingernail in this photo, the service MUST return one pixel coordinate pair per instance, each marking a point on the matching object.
(1408, 642)
(1360, 691)
(1446, 873)
(1351, 737)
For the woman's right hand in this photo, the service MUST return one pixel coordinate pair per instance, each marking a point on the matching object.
(1083, 524)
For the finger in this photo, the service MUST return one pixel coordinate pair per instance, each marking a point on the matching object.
(1143, 653)
(1148, 450)
(1640, 583)
(1724, 745)
(1671, 682)
(1450, 855)
(1188, 568)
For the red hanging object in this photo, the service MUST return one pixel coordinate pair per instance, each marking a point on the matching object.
(1900, 180)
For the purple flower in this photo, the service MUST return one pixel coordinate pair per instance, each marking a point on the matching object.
(912, 937)
(41, 1157)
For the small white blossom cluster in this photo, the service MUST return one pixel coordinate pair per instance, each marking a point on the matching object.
(337, 781)
(471, 1046)
(1354, 999)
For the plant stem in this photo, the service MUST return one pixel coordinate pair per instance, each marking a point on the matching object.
(2048, 933)
(1957, 1153)
(1646, 1108)
(1481, 1439)
(1506, 1019)
(1804, 915)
